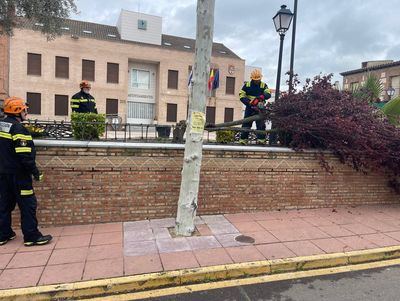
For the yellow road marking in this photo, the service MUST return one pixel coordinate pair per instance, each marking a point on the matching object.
(246, 281)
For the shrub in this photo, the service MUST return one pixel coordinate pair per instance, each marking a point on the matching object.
(392, 111)
(225, 136)
(87, 126)
(322, 117)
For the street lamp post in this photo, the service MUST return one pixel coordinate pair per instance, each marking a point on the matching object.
(282, 21)
(390, 92)
(291, 72)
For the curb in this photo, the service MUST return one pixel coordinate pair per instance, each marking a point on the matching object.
(112, 286)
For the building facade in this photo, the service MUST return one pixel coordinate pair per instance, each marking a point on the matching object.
(387, 71)
(136, 72)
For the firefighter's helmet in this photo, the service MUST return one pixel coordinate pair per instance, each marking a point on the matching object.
(85, 84)
(256, 74)
(14, 105)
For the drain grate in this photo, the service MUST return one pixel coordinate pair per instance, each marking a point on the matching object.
(245, 239)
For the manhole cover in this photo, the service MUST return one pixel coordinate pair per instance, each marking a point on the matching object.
(245, 239)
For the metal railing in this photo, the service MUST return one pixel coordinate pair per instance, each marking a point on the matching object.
(128, 132)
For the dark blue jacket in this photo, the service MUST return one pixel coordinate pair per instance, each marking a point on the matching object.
(83, 103)
(251, 90)
(16, 148)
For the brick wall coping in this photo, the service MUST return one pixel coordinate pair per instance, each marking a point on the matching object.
(96, 144)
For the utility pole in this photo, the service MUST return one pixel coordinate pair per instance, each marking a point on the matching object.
(291, 72)
(189, 191)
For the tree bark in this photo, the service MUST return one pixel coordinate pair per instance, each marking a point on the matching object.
(188, 196)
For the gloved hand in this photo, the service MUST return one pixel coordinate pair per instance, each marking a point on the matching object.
(261, 105)
(261, 97)
(38, 176)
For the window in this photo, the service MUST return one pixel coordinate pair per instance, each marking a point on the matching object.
(34, 100)
(61, 105)
(142, 24)
(140, 79)
(62, 67)
(112, 73)
(354, 86)
(395, 81)
(228, 115)
(172, 111)
(172, 79)
(34, 64)
(210, 115)
(88, 70)
(111, 106)
(230, 85)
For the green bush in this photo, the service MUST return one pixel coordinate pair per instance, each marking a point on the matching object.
(225, 136)
(88, 126)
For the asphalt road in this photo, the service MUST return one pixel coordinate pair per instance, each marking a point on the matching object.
(381, 284)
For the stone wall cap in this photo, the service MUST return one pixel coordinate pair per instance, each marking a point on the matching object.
(111, 144)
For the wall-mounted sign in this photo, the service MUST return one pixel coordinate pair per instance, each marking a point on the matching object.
(231, 69)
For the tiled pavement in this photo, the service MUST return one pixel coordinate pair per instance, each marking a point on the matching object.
(110, 250)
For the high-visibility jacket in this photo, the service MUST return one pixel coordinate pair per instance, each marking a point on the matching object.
(252, 90)
(83, 103)
(16, 148)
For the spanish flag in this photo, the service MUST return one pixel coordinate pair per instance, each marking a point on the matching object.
(211, 80)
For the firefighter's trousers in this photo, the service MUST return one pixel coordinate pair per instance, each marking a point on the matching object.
(17, 189)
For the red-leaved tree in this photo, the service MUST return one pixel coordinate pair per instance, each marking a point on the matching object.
(324, 118)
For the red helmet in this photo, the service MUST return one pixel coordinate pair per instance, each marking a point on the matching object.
(85, 84)
(14, 105)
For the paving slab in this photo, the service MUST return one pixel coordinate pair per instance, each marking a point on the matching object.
(98, 251)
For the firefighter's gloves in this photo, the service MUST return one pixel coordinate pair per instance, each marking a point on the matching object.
(38, 176)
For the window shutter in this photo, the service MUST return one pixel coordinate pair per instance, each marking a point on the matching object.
(228, 115)
(88, 70)
(112, 73)
(210, 115)
(34, 66)
(172, 112)
(230, 85)
(172, 79)
(34, 101)
(61, 105)
(111, 106)
(62, 67)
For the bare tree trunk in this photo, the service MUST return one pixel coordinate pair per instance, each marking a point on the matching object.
(188, 196)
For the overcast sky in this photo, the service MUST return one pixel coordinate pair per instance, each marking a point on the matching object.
(332, 36)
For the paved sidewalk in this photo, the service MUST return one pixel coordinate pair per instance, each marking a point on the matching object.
(99, 251)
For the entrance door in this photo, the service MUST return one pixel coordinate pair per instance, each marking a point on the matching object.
(141, 95)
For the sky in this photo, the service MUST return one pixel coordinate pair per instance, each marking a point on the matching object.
(332, 36)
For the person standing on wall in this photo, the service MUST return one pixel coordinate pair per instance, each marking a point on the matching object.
(83, 102)
(17, 166)
(253, 95)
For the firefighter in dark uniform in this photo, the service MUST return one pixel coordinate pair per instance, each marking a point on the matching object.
(253, 94)
(17, 166)
(83, 102)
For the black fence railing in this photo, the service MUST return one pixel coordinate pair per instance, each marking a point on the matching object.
(126, 132)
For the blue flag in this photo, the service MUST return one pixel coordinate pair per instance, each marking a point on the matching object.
(216, 80)
(190, 77)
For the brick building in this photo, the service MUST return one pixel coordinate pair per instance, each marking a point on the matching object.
(136, 71)
(387, 71)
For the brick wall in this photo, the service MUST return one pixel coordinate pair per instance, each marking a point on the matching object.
(90, 185)
(4, 40)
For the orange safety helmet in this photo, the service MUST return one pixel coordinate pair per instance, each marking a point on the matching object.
(85, 84)
(14, 105)
(256, 74)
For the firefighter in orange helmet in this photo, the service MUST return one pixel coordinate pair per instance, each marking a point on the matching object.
(253, 94)
(83, 102)
(17, 166)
